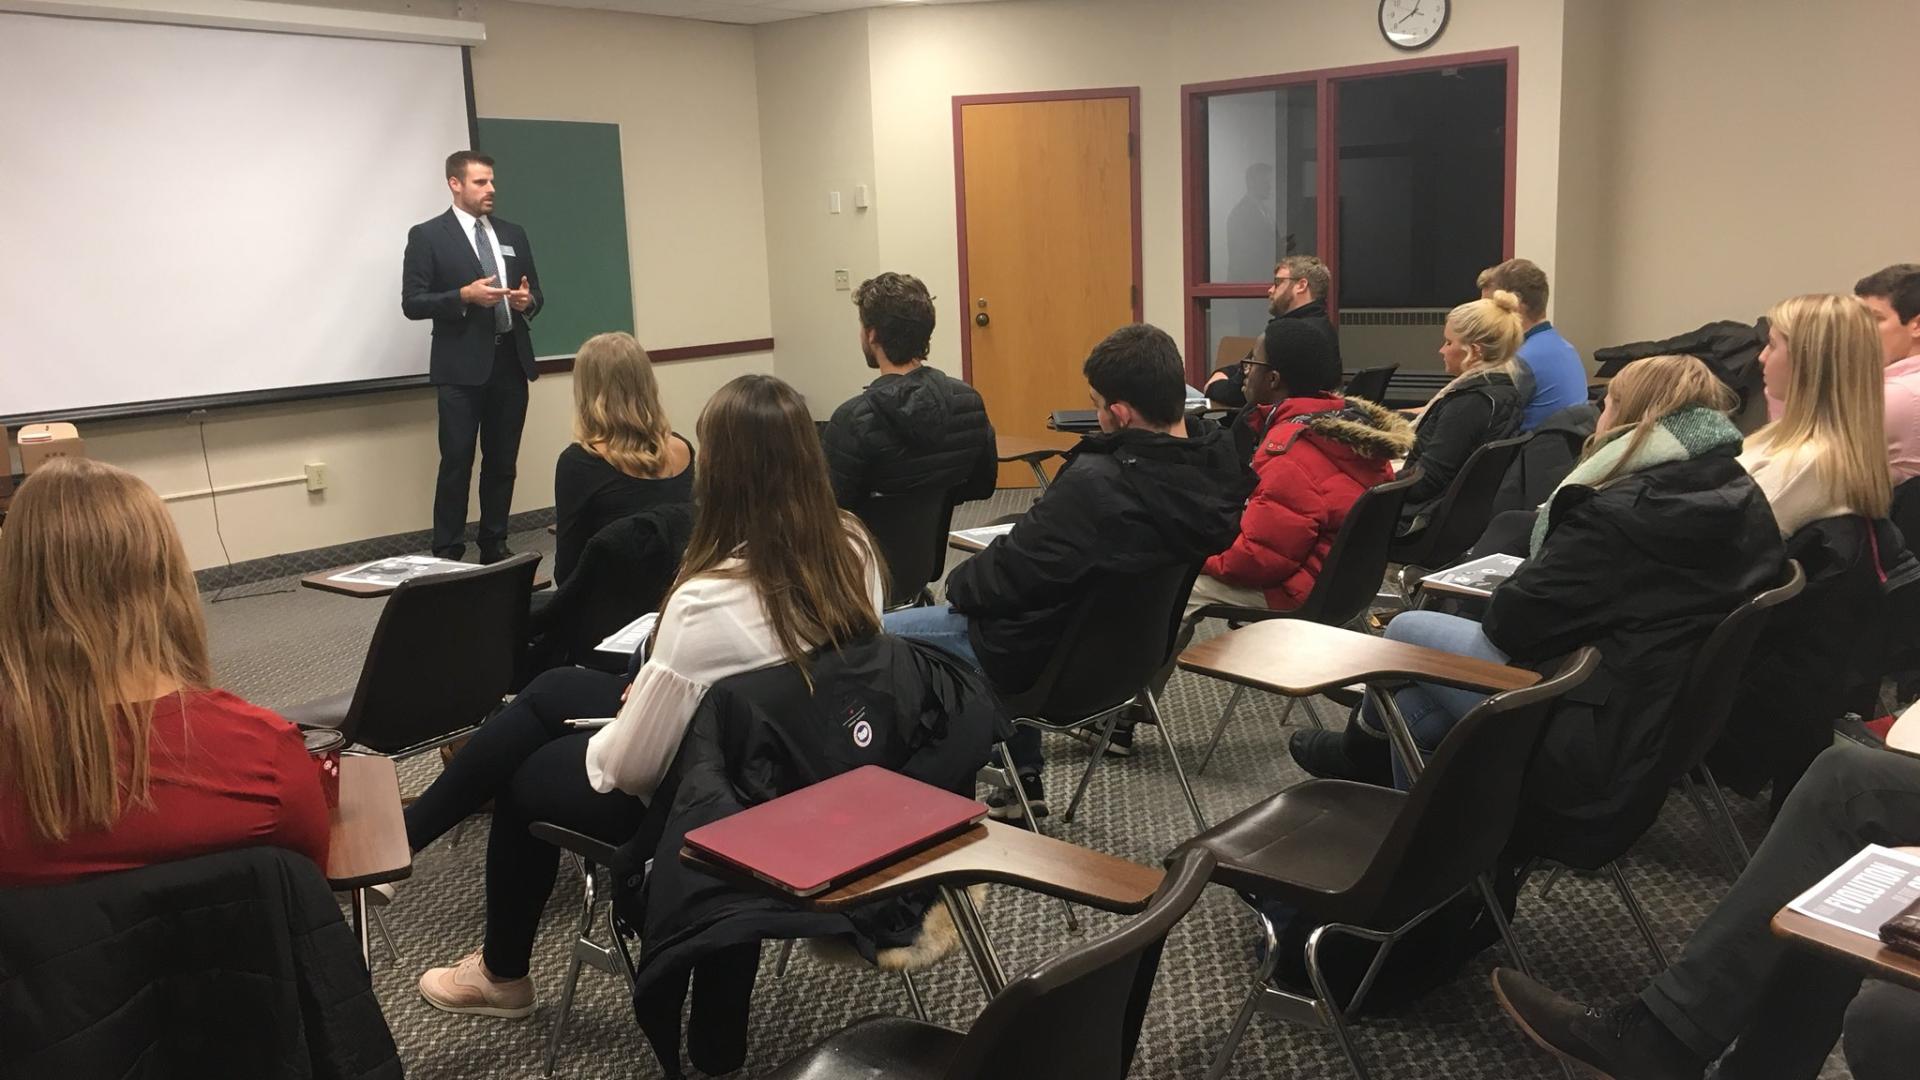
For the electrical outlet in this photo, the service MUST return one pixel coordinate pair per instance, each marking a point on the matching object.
(317, 477)
(842, 280)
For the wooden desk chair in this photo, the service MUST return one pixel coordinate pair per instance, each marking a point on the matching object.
(1373, 863)
(442, 656)
(1694, 724)
(1370, 384)
(1076, 1015)
(1231, 350)
(1348, 582)
(1462, 513)
(911, 531)
(1119, 635)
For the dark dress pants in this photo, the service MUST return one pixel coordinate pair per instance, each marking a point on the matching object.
(1735, 980)
(494, 412)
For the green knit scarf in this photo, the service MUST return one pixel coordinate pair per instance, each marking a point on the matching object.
(1681, 436)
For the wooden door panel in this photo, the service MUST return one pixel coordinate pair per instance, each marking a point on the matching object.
(1049, 212)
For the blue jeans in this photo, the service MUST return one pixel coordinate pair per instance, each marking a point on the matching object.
(947, 628)
(1431, 711)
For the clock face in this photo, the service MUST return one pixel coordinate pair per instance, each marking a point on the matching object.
(1413, 24)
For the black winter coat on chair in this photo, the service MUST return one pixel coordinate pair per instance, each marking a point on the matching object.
(225, 965)
(756, 737)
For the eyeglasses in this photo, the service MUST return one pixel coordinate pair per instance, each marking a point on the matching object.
(1282, 282)
(1247, 366)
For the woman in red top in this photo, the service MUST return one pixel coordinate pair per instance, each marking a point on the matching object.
(113, 751)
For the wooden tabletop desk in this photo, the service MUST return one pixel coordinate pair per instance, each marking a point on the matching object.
(323, 581)
(1863, 954)
(1299, 658)
(368, 844)
(987, 852)
(1034, 449)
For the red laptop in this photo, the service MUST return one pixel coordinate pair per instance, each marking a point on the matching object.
(825, 835)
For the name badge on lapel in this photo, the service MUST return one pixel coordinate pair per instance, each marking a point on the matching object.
(506, 249)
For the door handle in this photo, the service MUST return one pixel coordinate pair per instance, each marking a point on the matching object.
(981, 319)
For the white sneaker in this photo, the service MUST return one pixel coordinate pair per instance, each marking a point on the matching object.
(467, 988)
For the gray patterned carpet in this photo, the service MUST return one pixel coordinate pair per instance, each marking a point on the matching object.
(278, 648)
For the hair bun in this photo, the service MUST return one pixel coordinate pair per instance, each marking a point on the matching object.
(1505, 301)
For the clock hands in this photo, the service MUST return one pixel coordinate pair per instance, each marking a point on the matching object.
(1415, 10)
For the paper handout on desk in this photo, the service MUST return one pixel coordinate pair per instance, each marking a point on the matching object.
(978, 539)
(1476, 578)
(400, 568)
(1866, 891)
(629, 638)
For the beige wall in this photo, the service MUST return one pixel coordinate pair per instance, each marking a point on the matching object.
(684, 95)
(923, 56)
(816, 136)
(1758, 150)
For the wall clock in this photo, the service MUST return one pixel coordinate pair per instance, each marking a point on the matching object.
(1413, 24)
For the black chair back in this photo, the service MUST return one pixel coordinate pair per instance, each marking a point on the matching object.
(1462, 808)
(442, 655)
(911, 531)
(1120, 633)
(625, 572)
(1357, 562)
(1079, 1014)
(1464, 510)
(1370, 384)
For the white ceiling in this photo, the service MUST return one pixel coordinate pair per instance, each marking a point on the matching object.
(739, 11)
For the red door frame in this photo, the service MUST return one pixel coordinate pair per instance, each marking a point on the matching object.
(1193, 158)
(1132, 96)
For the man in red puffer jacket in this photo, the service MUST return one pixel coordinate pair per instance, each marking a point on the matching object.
(1314, 452)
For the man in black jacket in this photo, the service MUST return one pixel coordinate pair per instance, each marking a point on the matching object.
(913, 427)
(1151, 490)
(473, 275)
(1299, 291)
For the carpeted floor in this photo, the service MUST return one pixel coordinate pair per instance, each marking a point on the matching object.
(281, 647)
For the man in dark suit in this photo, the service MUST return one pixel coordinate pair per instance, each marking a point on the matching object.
(456, 272)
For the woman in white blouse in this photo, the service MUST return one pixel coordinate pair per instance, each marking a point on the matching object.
(1827, 453)
(773, 571)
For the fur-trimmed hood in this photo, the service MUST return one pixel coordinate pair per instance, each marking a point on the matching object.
(1367, 429)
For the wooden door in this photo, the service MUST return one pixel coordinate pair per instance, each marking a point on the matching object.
(1051, 251)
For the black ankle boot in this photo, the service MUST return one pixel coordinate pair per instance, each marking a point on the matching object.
(1343, 755)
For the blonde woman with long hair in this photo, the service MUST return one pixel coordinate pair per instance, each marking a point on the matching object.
(114, 750)
(1483, 403)
(1827, 453)
(625, 457)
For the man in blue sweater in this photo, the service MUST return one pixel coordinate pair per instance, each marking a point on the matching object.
(1556, 378)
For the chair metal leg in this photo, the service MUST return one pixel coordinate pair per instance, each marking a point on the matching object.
(1039, 474)
(1484, 886)
(1331, 1010)
(780, 962)
(1099, 752)
(1173, 754)
(1313, 715)
(574, 959)
(1726, 814)
(1224, 1056)
(913, 997)
(1286, 714)
(1709, 824)
(1554, 874)
(357, 915)
(1226, 714)
(380, 924)
(1033, 823)
(1634, 909)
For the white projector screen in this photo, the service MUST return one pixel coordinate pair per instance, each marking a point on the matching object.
(196, 214)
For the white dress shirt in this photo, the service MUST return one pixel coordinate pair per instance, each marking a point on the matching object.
(713, 626)
(466, 221)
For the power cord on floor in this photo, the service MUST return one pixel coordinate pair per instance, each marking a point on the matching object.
(213, 497)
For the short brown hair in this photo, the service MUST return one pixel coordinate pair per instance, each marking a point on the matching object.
(899, 311)
(1310, 269)
(458, 161)
(1521, 278)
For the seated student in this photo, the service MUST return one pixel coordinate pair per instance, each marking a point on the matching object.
(1893, 295)
(625, 457)
(1153, 489)
(1647, 545)
(1299, 291)
(115, 753)
(1553, 376)
(1482, 403)
(1778, 1005)
(1316, 454)
(914, 427)
(773, 571)
(1827, 453)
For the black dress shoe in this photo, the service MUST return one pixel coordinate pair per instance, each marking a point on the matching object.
(454, 553)
(1626, 1043)
(491, 555)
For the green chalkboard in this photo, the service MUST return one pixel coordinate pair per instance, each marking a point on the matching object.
(561, 181)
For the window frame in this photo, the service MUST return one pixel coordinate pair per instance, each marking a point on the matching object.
(1197, 290)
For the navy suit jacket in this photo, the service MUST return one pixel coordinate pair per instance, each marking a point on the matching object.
(439, 261)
